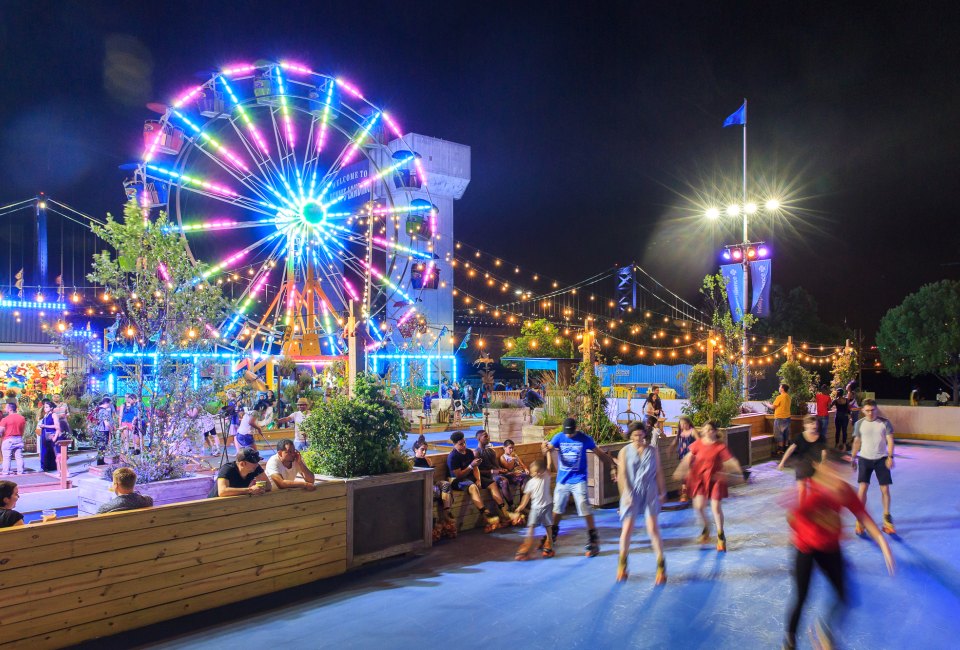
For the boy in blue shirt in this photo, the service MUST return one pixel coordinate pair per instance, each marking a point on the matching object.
(572, 447)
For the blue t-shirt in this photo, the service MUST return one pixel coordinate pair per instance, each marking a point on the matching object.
(573, 457)
(427, 401)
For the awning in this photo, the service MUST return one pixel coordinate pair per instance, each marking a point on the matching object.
(31, 357)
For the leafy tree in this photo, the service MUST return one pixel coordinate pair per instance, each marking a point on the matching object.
(921, 336)
(163, 306)
(588, 405)
(845, 368)
(700, 408)
(729, 333)
(356, 436)
(539, 338)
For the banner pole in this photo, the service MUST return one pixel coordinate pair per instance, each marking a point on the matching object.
(746, 263)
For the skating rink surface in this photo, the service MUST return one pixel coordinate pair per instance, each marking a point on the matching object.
(470, 593)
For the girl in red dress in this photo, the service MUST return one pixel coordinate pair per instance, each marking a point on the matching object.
(705, 469)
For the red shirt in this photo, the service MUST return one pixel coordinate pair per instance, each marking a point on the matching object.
(708, 459)
(823, 405)
(816, 519)
(14, 424)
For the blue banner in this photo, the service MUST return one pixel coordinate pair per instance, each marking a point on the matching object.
(350, 184)
(760, 280)
(733, 277)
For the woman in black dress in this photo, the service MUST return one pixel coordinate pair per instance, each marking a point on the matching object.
(49, 432)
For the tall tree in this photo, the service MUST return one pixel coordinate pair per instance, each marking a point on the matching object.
(921, 336)
(539, 338)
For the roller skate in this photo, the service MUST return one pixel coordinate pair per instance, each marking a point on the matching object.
(683, 494)
(450, 529)
(437, 532)
(523, 553)
(622, 572)
(888, 525)
(506, 517)
(592, 547)
(661, 578)
(721, 542)
(820, 637)
(704, 536)
(548, 552)
(859, 529)
(493, 521)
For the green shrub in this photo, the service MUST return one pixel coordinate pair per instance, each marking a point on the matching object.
(355, 436)
(724, 408)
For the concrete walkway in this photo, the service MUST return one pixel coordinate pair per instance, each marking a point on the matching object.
(469, 593)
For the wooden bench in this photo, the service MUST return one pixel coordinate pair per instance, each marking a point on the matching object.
(69, 581)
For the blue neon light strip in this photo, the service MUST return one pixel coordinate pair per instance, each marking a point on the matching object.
(32, 304)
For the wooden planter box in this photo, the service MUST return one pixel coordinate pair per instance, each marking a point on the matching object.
(94, 492)
(796, 425)
(387, 515)
(601, 489)
(506, 423)
(738, 441)
(535, 432)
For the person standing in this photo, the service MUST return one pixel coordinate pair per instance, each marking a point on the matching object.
(642, 490)
(572, 447)
(816, 530)
(842, 419)
(781, 418)
(823, 402)
(943, 398)
(873, 453)
(49, 428)
(130, 423)
(653, 405)
(11, 427)
(297, 417)
(104, 427)
(851, 392)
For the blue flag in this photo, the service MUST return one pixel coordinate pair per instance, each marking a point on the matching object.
(760, 279)
(733, 278)
(739, 116)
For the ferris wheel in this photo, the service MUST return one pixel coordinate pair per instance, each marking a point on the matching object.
(299, 193)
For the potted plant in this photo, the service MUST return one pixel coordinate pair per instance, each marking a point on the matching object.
(358, 438)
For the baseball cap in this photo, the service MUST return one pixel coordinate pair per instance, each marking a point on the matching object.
(248, 454)
(570, 426)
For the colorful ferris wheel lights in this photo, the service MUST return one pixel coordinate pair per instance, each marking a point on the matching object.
(190, 180)
(232, 157)
(350, 88)
(187, 96)
(246, 118)
(324, 120)
(394, 127)
(243, 68)
(352, 151)
(295, 67)
(285, 111)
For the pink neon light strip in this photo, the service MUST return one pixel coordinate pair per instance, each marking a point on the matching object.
(353, 90)
(238, 69)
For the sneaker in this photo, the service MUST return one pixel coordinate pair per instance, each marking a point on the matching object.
(721, 542)
(622, 573)
(661, 578)
(859, 529)
(888, 525)
(704, 536)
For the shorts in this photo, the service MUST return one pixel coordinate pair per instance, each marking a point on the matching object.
(781, 429)
(300, 445)
(540, 517)
(211, 432)
(866, 467)
(578, 491)
(244, 440)
(486, 481)
(460, 486)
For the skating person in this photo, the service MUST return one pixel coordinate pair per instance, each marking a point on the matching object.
(807, 449)
(642, 490)
(873, 452)
(572, 447)
(705, 469)
(781, 418)
(686, 434)
(816, 537)
(536, 493)
(823, 402)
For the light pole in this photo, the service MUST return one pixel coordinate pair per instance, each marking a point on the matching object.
(745, 253)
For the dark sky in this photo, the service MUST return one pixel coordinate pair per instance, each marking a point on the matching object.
(595, 127)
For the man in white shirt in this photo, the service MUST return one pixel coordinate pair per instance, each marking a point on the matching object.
(284, 466)
(873, 452)
(297, 417)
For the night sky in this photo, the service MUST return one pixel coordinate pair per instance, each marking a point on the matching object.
(595, 127)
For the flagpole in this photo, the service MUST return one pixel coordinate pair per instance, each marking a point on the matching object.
(746, 263)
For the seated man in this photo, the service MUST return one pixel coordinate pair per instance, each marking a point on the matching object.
(241, 476)
(124, 482)
(284, 466)
(465, 476)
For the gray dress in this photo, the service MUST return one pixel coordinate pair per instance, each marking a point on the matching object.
(643, 494)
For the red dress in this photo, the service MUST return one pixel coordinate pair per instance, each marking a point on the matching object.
(706, 470)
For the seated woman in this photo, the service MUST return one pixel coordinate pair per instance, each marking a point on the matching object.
(9, 494)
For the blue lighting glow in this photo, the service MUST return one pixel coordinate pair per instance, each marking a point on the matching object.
(32, 304)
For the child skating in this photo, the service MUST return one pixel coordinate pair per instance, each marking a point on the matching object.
(705, 469)
(536, 493)
(642, 490)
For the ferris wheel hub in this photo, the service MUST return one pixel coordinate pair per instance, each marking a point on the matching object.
(312, 213)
